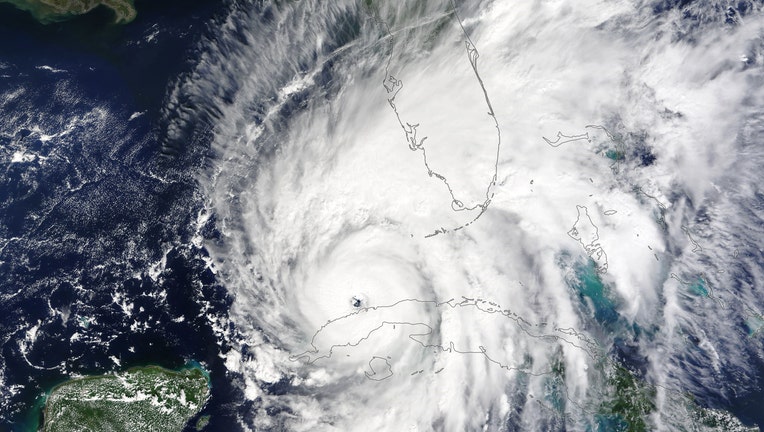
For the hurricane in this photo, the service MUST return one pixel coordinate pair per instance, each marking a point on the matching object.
(485, 215)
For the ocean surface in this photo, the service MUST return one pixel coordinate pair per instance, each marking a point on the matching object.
(99, 270)
(391, 215)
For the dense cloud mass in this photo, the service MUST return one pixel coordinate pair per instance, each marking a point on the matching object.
(486, 215)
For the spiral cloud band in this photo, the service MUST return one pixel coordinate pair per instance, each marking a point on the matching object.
(485, 215)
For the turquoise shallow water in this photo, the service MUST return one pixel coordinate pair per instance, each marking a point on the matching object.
(593, 297)
(594, 293)
(31, 422)
(699, 287)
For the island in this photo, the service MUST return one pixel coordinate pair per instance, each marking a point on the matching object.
(49, 11)
(139, 399)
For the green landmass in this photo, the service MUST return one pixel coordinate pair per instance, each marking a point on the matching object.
(140, 399)
(49, 11)
(630, 403)
(554, 386)
(203, 422)
(710, 420)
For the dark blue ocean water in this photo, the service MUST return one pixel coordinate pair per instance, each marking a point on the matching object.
(113, 197)
(95, 203)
